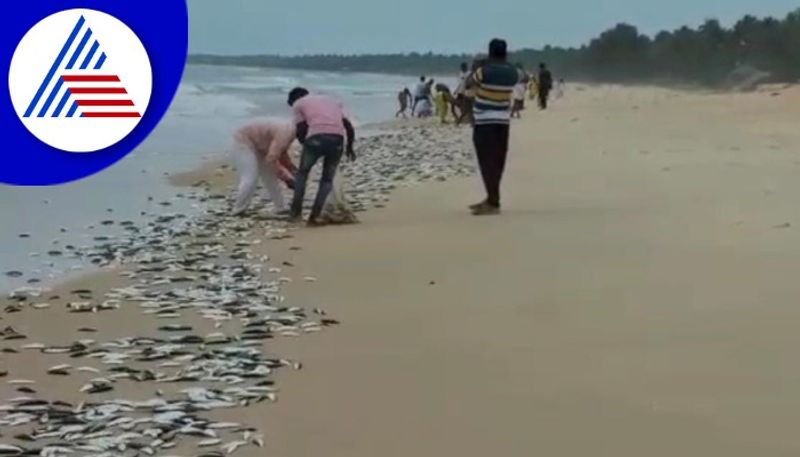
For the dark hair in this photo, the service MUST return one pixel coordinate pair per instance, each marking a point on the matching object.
(422, 78)
(296, 94)
(464, 66)
(498, 49)
(542, 65)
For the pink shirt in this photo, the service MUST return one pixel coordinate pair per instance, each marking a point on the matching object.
(323, 114)
(271, 141)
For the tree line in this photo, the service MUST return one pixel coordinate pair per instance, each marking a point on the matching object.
(706, 55)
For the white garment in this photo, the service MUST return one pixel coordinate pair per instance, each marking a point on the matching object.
(462, 83)
(425, 108)
(519, 91)
(250, 167)
(421, 90)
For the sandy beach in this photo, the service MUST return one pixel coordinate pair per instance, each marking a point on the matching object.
(635, 298)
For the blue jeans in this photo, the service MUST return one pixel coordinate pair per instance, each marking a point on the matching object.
(329, 148)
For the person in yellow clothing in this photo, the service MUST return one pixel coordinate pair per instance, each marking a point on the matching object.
(442, 102)
(533, 89)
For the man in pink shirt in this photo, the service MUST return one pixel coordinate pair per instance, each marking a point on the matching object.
(321, 127)
(262, 150)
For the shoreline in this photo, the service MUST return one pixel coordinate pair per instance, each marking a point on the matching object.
(214, 171)
(164, 298)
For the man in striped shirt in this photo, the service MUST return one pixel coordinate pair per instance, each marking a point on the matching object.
(494, 81)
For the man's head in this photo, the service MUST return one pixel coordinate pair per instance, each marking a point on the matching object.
(543, 66)
(464, 66)
(498, 49)
(296, 94)
(422, 79)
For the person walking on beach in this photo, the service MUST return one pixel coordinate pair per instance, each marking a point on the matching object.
(321, 127)
(519, 100)
(261, 150)
(533, 89)
(545, 85)
(404, 99)
(495, 80)
(519, 94)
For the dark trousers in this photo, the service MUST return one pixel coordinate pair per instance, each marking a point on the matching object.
(544, 96)
(329, 148)
(491, 147)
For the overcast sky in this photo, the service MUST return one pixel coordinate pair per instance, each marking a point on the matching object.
(378, 26)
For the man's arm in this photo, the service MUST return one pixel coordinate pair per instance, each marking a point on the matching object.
(351, 138)
(278, 156)
(301, 129)
(301, 125)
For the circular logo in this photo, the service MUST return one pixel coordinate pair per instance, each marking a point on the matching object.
(80, 80)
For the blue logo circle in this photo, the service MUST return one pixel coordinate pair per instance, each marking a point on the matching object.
(71, 99)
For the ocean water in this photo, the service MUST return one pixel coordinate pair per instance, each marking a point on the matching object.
(211, 103)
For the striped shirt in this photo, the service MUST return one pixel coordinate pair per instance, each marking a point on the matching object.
(495, 83)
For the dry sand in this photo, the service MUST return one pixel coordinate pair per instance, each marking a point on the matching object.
(636, 298)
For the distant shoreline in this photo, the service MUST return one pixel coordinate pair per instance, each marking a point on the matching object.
(751, 51)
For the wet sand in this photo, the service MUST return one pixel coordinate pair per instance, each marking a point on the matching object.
(165, 349)
(635, 298)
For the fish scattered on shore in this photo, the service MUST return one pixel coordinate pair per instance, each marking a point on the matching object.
(178, 269)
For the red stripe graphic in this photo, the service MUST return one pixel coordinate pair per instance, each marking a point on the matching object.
(98, 90)
(90, 78)
(104, 103)
(112, 115)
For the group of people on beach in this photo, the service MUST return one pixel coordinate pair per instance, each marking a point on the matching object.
(488, 95)
(431, 99)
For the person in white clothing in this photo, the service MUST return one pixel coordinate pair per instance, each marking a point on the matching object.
(261, 152)
(518, 105)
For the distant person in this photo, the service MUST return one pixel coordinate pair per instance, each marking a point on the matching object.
(545, 85)
(261, 150)
(495, 80)
(533, 89)
(440, 105)
(460, 91)
(321, 127)
(426, 99)
(404, 98)
(560, 88)
(419, 94)
(519, 99)
(467, 115)
(518, 96)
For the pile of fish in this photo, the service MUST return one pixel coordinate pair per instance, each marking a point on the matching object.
(206, 271)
